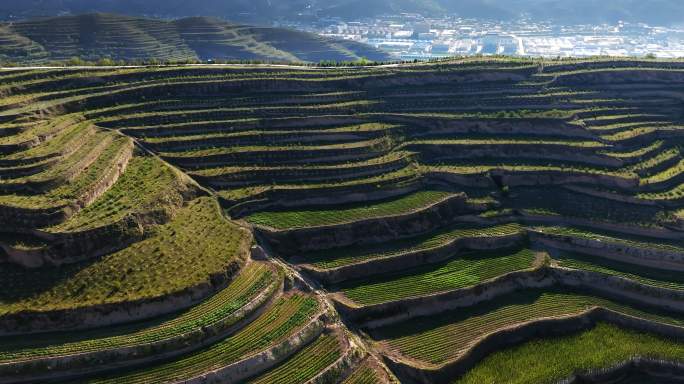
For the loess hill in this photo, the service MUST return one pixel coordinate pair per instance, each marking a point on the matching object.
(118, 37)
(480, 221)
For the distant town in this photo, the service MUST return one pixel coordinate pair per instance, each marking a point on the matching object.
(411, 36)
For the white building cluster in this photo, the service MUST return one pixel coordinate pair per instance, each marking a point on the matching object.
(410, 36)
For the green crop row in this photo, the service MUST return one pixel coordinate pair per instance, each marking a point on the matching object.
(439, 339)
(463, 271)
(344, 256)
(304, 365)
(314, 218)
(649, 276)
(574, 232)
(372, 183)
(217, 310)
(363, 374)
(281, 320)
(549, 360)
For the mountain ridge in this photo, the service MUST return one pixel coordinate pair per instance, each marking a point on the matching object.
(103, 35)
(662, 12)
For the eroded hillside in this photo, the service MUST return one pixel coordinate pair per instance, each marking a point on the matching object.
(467, 222)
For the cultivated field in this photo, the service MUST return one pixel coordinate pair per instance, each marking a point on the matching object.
(475, 221)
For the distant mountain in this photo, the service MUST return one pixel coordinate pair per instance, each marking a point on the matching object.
(662, 12)
(94, 36)
(657, 12)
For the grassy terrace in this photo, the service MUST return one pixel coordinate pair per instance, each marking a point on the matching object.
(314, 218)
(463, 271)
(66, 138)
(665, 175)
(644, 275)
(63, 170)
(284, 318)
(147, 185)
(218, 310)
(443, 338)
(83, 183)
(623, 125)
(610, 119)
(21, 131)
(676, 193)
(646, 166)
(345, 256)
(548, 360)
(35, 131)
(638, 132)
(198, 236)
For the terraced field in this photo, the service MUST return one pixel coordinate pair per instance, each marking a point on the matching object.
(303, 219)
(117, 37)
(553, 359)
(439, 340)
(285, 317)
(464, 271)
(432, 223)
